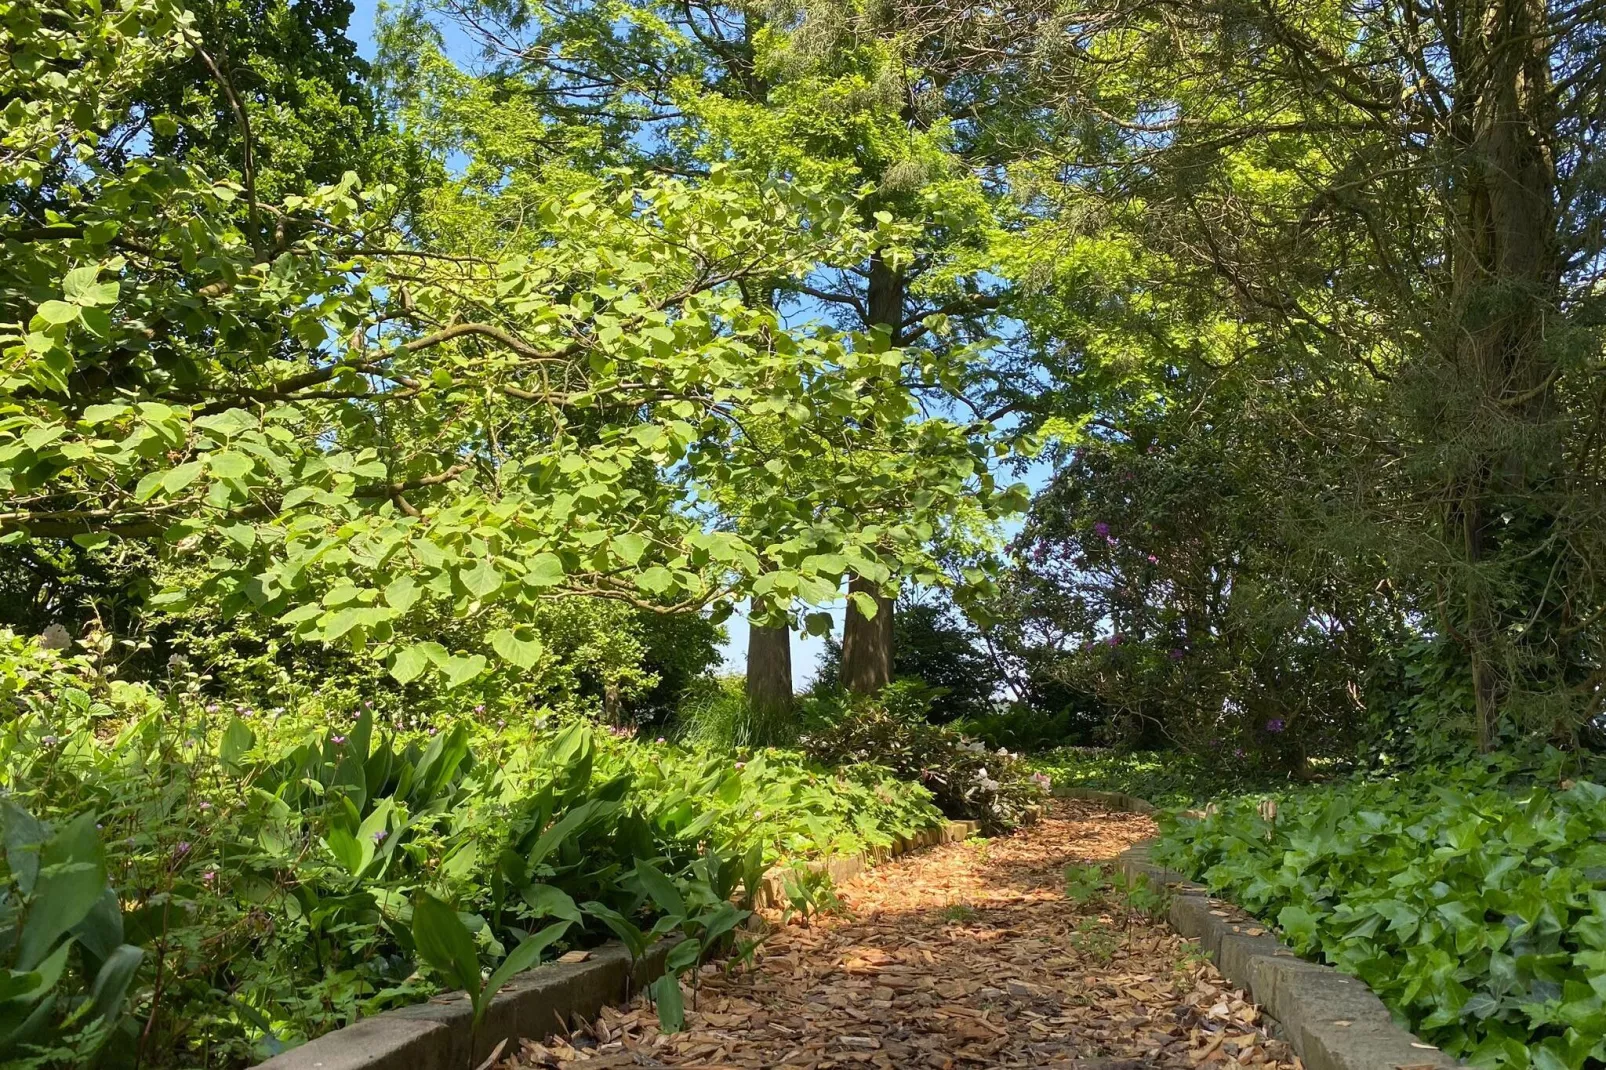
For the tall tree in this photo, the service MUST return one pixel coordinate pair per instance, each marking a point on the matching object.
(1396, 205)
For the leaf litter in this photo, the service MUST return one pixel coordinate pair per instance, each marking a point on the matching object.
(966, 955)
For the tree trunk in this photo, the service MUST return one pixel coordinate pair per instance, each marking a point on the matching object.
(1504, 283)
(769, 670)
(867, 644)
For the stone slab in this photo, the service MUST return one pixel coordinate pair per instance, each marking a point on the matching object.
(1333, 1020)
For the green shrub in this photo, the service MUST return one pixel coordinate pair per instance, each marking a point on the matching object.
(270, 863)
(1473, 903)
(1165, 778)
(966, 778)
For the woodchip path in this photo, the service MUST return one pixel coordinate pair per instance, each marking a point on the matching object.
(966, 955)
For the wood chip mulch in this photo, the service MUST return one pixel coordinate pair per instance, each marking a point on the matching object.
(966, 955)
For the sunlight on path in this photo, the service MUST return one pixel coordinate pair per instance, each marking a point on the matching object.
(966, 955)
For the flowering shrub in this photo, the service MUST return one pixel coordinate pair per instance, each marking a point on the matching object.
(1472, 902)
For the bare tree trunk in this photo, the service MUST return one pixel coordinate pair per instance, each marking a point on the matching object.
(1504, 283)
(769, 670)
(867, 644)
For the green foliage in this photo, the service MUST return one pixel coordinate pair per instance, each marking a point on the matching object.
(67, 970)
(1469, 898)
(717, 714)
(931, 645)
(966, 779)
(1164, 778)
(356, 436)
(283, 877)
(1084, 884)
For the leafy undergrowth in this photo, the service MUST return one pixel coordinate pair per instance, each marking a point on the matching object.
(1163, 778)
(1472, 902)
(234, 881)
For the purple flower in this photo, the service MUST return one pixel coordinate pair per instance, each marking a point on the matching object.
(1237, 752)
(368, 704)
(211, 707)
(741, 765)
(209, 876)
(1042, 781)
(379, 837)
(181, 848)
(50, 741)
(501, 723)
(480, 708)
(1114, 640)
(1101, 529)
(1153, 560)
(660, 739)
(203, 805)
(337, 740)
(1275, 725)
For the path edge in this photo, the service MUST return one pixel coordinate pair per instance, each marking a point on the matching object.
(439, 1035)
(1334, 1021)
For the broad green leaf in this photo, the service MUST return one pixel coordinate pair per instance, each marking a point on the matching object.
(545, 570)
(660, 887)
(58, 312)
(408, 663)
(671, 1005)
(546, 900)
(445, 943)
(521, 958)
(629, 547)
(460, 669)
(230, 464)
(521, 651)
(481, 579)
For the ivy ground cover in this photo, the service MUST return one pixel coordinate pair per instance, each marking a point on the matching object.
(1474, 905)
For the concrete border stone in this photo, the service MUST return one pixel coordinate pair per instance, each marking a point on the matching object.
(439, 1035)
(1332, 1019)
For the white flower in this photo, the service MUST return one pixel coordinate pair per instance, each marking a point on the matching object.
(55, 637)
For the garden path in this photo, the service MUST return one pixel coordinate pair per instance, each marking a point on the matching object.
(966, 955)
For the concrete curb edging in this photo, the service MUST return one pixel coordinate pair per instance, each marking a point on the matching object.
(439, 1035)
(1332, 1019)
